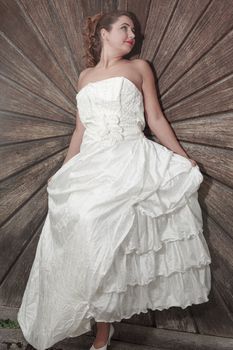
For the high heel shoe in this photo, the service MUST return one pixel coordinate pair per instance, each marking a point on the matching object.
(111, 331)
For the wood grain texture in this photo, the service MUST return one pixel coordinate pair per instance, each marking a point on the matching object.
(21, 128)
(19, 69)
(20, 156)
(214, 196)
(15, 233)
(215, 317)
(14, 19)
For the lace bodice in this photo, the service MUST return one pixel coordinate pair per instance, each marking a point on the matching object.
(111, 109)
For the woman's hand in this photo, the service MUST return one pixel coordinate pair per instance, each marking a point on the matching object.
(193, 162)
(49, 179)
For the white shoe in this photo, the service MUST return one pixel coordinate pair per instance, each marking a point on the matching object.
(111, 331)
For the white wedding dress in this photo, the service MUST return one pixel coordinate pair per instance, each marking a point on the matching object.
(124, 229)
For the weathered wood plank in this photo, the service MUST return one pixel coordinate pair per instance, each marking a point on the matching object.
(17, 67)
(8, 312)
(166, 339)
(175, 318)
(21, 128)
(220, 245)
(44, 16)
(154, 29)
(215, 130)
(12, 289)
(213, 99)
(16, 232)
(73, 10)
(208, 30)
(213, 317)
(16, 190)
(19, 156)
(9, 336)
(216, 63)
(30, 41)
(182, 20)
(143, 319)
(214, 162)
(161, 340)
(214, 196)
(15, 98)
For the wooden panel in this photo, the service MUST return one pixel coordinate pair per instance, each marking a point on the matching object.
(216, 63)
(158, 18)
(16, 190)
(16, 98)
(182, 20)
(18, 68)
(20, 128)
(143, 319)
(175, 318)
(213, 317)
(16, 232)
(216, 316)
(221, 246)
(214, 23)
(214, 162)
(12, 339)
(216, 130)
(217, 200)
(44, 16)
(12, 289)
(13, 20)
(17, 157)
(166, 339)
(213, 99)
(72, 10)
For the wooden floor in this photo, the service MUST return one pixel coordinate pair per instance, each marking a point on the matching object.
(126, 337)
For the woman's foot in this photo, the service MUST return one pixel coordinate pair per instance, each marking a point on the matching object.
(102, 334)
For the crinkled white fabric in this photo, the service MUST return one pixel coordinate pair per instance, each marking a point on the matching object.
(124, 230)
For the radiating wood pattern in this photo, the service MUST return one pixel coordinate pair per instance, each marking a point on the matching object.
(189, 45)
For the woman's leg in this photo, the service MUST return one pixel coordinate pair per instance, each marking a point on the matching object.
(102, 334)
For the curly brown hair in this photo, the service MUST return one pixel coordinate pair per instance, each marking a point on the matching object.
(91, 33)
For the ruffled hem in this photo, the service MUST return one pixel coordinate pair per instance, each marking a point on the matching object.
(180, 289)
(134, 269)
(148, 232)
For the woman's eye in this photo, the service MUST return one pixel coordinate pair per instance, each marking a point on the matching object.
(133, 30)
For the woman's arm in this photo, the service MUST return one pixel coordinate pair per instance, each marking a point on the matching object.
(76, 139)
(154, 115)
(75, 142)
(164, 132)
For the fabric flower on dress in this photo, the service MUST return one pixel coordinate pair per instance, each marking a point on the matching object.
(108, 130)
(113, 130)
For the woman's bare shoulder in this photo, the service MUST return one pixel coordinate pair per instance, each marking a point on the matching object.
(82, 77)
(140, 64)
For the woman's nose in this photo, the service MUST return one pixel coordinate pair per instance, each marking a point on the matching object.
(132, 35)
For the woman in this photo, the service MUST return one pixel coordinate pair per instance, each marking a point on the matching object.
(123, 232)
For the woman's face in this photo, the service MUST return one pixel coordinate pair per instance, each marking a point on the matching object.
(122, 35)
